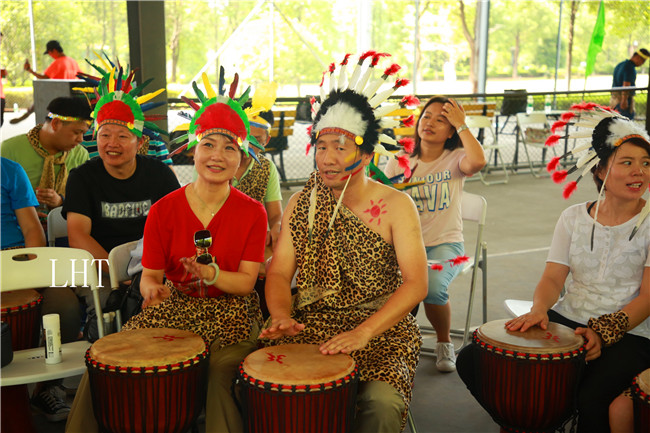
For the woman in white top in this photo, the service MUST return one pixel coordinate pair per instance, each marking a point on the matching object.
(603, 245)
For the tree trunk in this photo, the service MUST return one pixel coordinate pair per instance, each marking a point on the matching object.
(174, 40)
(515, 55)
(418, 53)
(569, 54)
(473, 73)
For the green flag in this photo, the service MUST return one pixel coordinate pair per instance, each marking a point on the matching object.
(597, 37)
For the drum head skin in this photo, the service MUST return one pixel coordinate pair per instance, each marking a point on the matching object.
(297, 364)
(556, 339)
(18, 298)
(643, 380)
(147, 347)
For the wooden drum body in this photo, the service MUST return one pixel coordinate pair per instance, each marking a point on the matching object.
(528, 381)
(148, 380)
(641, 398)
(21, 309)
(294, 388)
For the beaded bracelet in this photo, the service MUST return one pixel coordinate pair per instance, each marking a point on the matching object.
(216, 274)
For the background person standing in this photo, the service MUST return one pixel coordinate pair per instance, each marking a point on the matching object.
(625, 76)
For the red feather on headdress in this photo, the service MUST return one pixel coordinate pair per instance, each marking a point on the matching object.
(309, 129)
(191, 103)
(322, 80)
(408, 143)
(569, 189)
(400, 82)
(367, 54)
(233, 86)
(392, 69)
(558, 125)
(332, 67)
(584, 106)
(408, 122)
(376, 57)
(458, 260)
(567, 116)
(559, 176)
(409, 100)
(552, 164)
(308, 148)
(345, 59)
(403, 162)
(552, 140)
(436, 267)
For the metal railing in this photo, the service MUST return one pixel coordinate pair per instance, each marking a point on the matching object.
(297, 166)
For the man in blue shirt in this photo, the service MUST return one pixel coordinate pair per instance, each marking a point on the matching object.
(625, 76)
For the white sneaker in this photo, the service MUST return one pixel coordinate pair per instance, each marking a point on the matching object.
(445, 357)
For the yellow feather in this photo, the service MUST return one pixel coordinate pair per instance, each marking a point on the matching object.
(208, 87)
(85, 89)
(144, 98)
(111, 81)
(264, 97)
(106, 65)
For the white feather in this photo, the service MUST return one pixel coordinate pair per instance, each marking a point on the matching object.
(386, 109)
(344, 116)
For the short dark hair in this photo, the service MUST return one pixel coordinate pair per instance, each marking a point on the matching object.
(452, 142)
(70, 106)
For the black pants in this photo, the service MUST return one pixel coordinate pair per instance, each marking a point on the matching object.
(604, 378)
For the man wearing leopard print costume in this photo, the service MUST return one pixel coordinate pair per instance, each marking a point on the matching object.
(358, 250)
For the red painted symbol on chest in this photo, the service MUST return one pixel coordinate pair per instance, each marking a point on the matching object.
(170, 337)
(550, 336)
(376, 210)
(276, 358)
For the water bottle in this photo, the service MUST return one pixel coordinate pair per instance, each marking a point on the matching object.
(52, 331)
(529, 105)
(547, 104)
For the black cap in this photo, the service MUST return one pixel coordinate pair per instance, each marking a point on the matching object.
(53, 45)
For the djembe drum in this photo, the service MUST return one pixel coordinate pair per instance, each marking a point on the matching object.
(641, 399)
(21, 309)
(294, 388)
(148, 380)
(528, 381)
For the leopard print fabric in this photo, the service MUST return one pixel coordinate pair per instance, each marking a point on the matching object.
(226, 318)
(610, 327)
(344, 277)
(256, 181)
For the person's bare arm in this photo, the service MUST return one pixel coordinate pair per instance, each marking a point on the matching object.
(79, 227)
(29, 69)
(30, 226)
(274, 215)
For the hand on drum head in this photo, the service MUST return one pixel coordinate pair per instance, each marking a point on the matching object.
(594, 343)
(281, 327)
(346, 342)
(525, 321)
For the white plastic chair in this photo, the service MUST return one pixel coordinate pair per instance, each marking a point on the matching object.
(118, 261)
(474, 210)
(485, 122)
(39, 271)
(517, 307)
(532, 131)
(57, 226)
